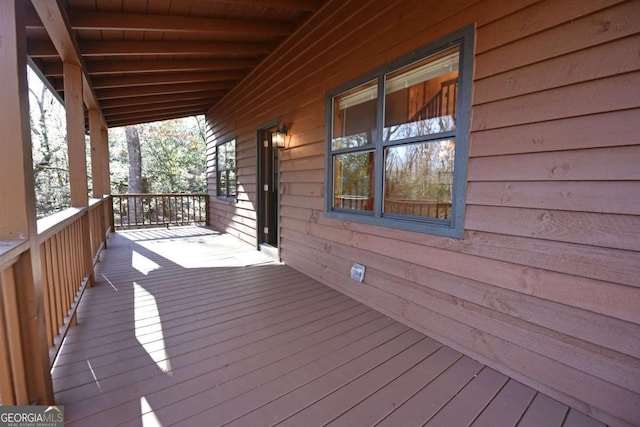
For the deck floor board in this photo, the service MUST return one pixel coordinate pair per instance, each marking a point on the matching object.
(189, 326)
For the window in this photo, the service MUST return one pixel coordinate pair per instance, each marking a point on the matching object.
(226, 169)
(398, 138)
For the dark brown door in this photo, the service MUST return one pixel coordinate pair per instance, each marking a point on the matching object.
(268, 186)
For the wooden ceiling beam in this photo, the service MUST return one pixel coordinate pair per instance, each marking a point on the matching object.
(159, 79)
(160, 99)
(84, 20)
(156, 108)
(161, 90)
(137, 48)
(302, 5)
(135, 120)
(57, 26)
(97, 68)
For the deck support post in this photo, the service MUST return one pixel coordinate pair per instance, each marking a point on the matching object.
(99, 152)
(76, 146)
(99, 161)
(18, 204)
(106, 179)
(106, 170)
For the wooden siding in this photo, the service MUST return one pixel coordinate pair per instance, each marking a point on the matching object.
(544, 286)
(208, 331)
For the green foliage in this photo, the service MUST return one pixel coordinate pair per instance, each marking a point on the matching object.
(173, 156)
(49, 149)
(173, 153)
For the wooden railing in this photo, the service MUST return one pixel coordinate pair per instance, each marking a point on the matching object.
(159, 210)
(67, 246)
(13, 369)
(70, 246)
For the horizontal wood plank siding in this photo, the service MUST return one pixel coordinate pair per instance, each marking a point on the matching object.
(545, 284)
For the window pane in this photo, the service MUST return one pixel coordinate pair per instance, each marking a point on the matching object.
(421, 99)
(222, 158)
(419, 179)
(353, 181)
(222, 184)
(230, 152)
(232, 183)
(354, 117)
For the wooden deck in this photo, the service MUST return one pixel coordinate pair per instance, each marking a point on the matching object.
(191, 327)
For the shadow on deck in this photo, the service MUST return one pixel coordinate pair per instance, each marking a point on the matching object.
(191, 327)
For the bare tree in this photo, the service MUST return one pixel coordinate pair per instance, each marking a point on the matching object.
(135, 172)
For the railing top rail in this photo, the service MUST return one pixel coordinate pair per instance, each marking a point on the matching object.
(50, 225)
(158, 194)
(96, 202)
(10, 250)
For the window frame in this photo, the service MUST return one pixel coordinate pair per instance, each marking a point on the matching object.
(453, 227)
(220, 196)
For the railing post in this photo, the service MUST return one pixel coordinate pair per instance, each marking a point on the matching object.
(17, 202)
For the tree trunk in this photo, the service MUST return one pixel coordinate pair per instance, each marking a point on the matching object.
(135, 174)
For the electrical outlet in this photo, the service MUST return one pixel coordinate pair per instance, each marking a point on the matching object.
(357, 272)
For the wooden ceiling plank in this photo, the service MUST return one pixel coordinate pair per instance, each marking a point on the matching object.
(161, 90)
(160, 99)
(158, 79)
(301, 5)
(139, 48)
(51, 69)
(31, 18)
(85, 20)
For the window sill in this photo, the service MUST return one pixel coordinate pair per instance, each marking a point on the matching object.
(438, 228)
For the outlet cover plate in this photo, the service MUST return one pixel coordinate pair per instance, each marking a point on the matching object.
(357, 272)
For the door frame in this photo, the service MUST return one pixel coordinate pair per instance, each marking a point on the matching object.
(260, 220)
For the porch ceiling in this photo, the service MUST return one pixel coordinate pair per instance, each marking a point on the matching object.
(150, 60)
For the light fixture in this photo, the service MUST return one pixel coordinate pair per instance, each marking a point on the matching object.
(277, 137)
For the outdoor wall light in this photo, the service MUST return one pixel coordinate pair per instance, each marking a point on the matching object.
(278, 136)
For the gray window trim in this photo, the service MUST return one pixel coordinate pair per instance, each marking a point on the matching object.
(233, 198)
(464, 38)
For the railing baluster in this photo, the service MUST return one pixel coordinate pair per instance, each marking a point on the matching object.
(72, 261)
(64, 270)
(12, 317)
(46, 291)
(6, 385)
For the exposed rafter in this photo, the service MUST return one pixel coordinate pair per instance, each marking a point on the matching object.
(55, 22)
(155, 108)
(157, 60)
(161, 90)
(82, 20)
(96, 68)
(44, 48)
(133, 120)
(137, 48)
(160, 99)
(302, 5)
(160, 79)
